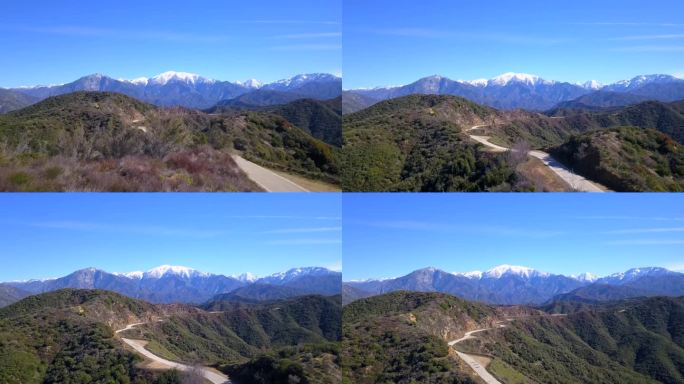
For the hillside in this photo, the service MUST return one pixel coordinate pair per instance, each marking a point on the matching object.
(11, 100)
(321, 119)
(598, 100)
(231, 333)
(633, 341)
(10, 294)
(415, 143)
(626, 159)
(354, 102)
(67, 337)
(255, 99)
(401, 337)
(106, 141)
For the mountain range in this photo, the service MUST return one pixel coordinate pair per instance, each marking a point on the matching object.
(517, 90)
(181, 89)
(175, 284)
(506, 284)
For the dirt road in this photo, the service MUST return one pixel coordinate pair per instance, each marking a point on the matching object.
(139, 346)
(576, 182)
(267, 179)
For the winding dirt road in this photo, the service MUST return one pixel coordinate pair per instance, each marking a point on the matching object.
(575, 181)
(471, 361)
(267, 179)
(139, 346)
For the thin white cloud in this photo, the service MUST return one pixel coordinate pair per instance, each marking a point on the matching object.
(284, 217)
(131, 229)
(306, 230)
(627, 24)
(679, 267)
(679, 75)
(141, 34)
(650, 48)
(505, 38)
(671, 36)
(483, 230)
(310, 35)
(645, 230)
(305, 242)
(629, 218)
(334, 266)
(646, 242)
(307, 47)
(323, 22)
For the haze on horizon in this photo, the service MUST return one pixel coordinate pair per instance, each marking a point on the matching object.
(52, 235)
(572, 42)
(566, 234)
(230, 41)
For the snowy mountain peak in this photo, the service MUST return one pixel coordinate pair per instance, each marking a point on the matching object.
(251, 83)
(130, 275)
(586, 277)
(166, 77)
(478, 82)
(511, 77)
(246, 277)
(470, 275)
(164, 270)
(305, 78)
(591, 84)
(506, 269)
(139, 81)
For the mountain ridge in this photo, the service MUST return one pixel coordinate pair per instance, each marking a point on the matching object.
(188, 89)
(518, 90)
(511, 285)
(168, 284)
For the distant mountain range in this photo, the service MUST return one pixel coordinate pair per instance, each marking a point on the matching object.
(506, 284)
(182, 89)
(175, 284)
(517, 90)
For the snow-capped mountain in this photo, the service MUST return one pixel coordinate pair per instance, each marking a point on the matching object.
(174, 270)
(246, 277)
(519, 90)
(523, 78)
(586, 277)
(185, 77)
(592, 84)
(639, 81)
(171, 284)
(191, 90)
(634, 274)
(509, 284)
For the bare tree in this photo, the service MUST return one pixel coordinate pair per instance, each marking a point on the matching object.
(519, 152)
(194, 375)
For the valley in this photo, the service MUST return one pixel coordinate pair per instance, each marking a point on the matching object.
(227, 338)
(100, 134)
(516, 344)
(430, 143)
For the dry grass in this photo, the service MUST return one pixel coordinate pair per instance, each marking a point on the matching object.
(309, 184)
(542, 178)
(201, 169)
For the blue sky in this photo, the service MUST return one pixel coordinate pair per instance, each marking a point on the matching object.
(390, 235)
(51, 235)
(394, 42)
(50, 42)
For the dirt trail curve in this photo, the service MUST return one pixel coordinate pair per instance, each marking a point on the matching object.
(139, 345)
(471, 361)
(267, 179)
(575, 181)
